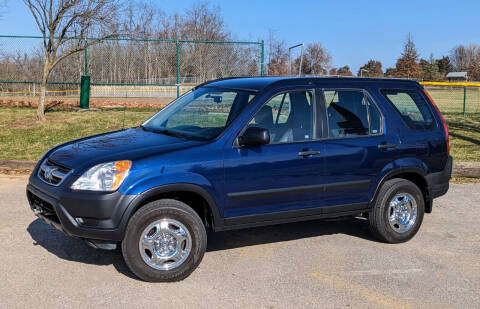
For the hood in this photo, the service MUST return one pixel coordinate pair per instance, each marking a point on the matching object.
(127, 144)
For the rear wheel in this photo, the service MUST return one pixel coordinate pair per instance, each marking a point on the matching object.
(165, 241)
(398, 211)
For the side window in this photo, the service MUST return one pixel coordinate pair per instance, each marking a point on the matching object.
(287, 116)
(412, 107)
(351, 113)
(375, 118)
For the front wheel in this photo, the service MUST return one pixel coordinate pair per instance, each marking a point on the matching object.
(165, 241)
(398, 211)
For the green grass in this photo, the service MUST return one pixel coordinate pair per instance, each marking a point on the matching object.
(464, 136)
(450, 99)
(23, 138)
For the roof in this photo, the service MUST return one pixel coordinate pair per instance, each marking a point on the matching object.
(256, 84)
(457, 75)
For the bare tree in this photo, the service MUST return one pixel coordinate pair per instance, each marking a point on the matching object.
(277, 55)
(65, 26)
(316, 60)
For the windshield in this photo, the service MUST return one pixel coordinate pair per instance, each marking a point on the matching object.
(203, 113)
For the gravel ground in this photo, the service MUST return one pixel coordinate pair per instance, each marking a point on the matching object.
(311, 264)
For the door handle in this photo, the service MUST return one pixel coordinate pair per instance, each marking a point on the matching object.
(386, 146)
(309, 153)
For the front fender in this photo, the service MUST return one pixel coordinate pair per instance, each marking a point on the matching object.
(144, 182)
(147, 187)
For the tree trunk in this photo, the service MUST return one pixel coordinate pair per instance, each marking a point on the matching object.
(43, 91)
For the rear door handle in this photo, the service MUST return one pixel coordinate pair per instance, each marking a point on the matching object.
(309, 153)
(386, 146)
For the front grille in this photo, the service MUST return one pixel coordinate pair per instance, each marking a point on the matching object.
(52, 172)
(42, 207)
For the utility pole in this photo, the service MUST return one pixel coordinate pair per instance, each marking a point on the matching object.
(290, 59)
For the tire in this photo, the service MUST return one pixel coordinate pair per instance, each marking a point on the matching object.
(167, 228)
(395, 193)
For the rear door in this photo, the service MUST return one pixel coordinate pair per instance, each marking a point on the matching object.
(356, 147)
(421, 132)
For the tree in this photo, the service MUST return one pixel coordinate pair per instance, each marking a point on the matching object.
(372, 68)
(444, 66)
(204, 22)
(466, 58)
(332, 71)
(277, 63)
(65, 25)
(430, 69)
(316, 60)
(390, 72)
(344, 71)
(462, 56)
(407, 65)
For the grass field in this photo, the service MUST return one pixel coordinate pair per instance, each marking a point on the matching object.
(23, 138)
(450, 99)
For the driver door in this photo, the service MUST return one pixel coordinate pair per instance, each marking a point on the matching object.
(282, 176)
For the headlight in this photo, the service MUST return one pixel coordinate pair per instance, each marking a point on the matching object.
(103, 177)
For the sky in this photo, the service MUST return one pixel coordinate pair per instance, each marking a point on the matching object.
(352, 31)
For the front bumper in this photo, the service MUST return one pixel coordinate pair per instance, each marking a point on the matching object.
(90, 215)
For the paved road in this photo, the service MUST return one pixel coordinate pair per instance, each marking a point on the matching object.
(314, 264)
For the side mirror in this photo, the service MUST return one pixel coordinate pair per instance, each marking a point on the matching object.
(254, 136)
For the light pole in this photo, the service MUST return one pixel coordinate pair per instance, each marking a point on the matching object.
(361, 72)
(290, 59)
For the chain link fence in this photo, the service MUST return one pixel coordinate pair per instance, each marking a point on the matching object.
(126, 68)
(455, 98)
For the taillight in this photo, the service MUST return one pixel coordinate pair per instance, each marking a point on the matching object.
(444, 123)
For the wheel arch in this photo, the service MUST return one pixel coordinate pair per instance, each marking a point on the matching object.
(190, 194)
(413, 174)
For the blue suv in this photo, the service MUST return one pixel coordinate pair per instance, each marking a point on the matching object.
(245, 152)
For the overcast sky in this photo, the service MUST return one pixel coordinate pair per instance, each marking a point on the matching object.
(352, 31)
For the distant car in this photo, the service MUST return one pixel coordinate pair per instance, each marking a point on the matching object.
(245, 152)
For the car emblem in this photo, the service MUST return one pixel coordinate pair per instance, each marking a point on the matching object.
(48, 171)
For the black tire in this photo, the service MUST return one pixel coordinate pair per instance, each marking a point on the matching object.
(378, 216)
(156, 210)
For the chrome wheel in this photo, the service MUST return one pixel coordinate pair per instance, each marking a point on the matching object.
(165, 244)
(402, 212)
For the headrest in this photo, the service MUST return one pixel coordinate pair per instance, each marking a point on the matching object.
(264, 117)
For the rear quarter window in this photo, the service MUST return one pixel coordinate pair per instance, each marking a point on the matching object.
(412, 107)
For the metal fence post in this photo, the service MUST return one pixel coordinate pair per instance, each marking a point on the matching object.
(85, 83)
(262, 59)
(464, 100)
(85, 92)
(177, 45)
(85, 70)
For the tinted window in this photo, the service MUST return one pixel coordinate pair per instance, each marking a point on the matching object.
(288, 117)
(375, 118)
(412, 107)
(351, 113)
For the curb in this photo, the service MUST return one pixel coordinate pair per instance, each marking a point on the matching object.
(460, 169)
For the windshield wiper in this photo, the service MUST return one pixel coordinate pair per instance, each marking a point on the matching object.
(168, 132)
(174, 133)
